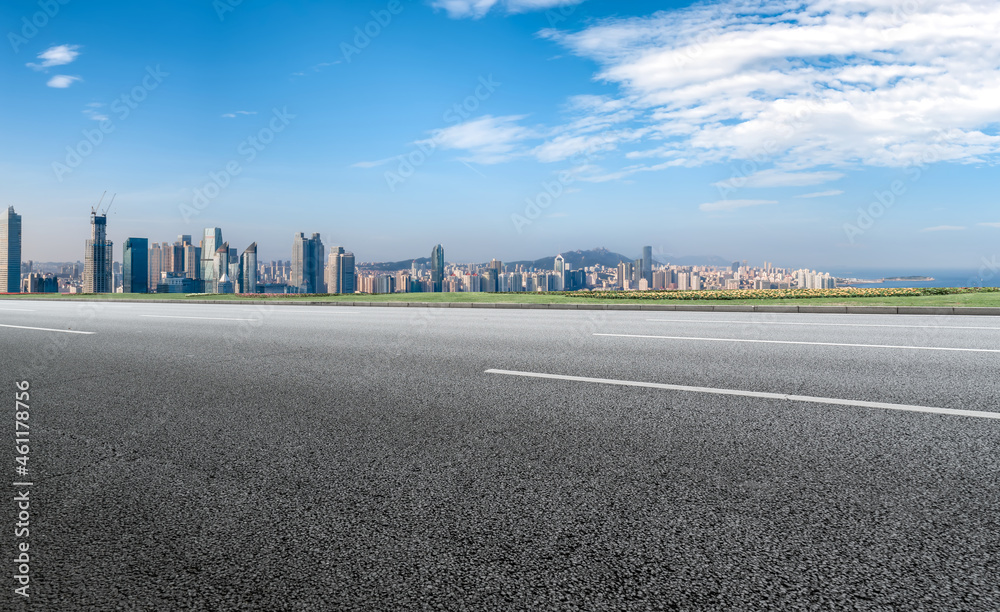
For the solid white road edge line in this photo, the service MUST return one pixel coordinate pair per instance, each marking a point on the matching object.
(758, 394)
(61, 331)
(821, 324)
(890, 346)
(202, 318)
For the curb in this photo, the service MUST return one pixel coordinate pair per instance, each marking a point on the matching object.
(764, 308)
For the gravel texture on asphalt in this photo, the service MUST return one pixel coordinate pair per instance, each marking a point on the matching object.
(316, 458)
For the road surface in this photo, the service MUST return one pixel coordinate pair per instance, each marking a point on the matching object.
(306, 457)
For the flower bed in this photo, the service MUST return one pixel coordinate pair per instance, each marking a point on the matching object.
(771, 294)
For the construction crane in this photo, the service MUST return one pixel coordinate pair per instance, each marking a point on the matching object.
(110, 203)
(93, 209)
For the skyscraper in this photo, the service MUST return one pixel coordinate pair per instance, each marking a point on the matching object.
(340, 271)
(135, 265)
(209, 245)
(156, 264)
(247, 281)
(559, 267)
(647, 264)
(307, 264)
(97, 258)
(10, 252)
(437, 268)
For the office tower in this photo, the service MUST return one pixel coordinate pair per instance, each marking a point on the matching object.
(209, 246)
(340, 271)
(347, 276)
(247, 279)
(636, 273)
(135, 266)
(10, 252)
(192, 261)
(735, 267)
(184, 239)
(624, 273)
(559, 267)
(307, 264)
(437, 268)
(97, 277)
(178, 261)
(647, 264)
(221, 264)
(155, 264)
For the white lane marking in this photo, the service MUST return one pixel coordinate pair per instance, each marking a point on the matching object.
(203, 318)
(890, 346)
(740, 393)
(62, 331)
(823, 324)
(19, 309)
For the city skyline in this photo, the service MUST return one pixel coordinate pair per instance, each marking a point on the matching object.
(547, 126)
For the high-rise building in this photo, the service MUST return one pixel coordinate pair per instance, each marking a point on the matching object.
(209, 246)
(156, 265)
(97, 277)
(306, 267)
(559, 267)
(437, 268)
(221, 264)
(10, 251)
(307, 264)
(247, 280)
(647, 264)
(340, 276)
(135, 265)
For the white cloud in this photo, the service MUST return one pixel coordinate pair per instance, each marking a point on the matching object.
(729, 205)
(92, 111)
(56, 56)
(778, 178)
(807, 83)
(475, 9)
(62, 81)
(489, 139)
(233, 114)
(989, 224)
(943, 228)
(821, 194)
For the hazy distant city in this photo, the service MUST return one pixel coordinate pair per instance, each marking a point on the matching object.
(208, 264)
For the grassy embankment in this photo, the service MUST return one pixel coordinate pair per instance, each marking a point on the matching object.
(989, 297)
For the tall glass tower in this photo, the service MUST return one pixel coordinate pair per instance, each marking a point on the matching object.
(97, 258)
(247, 280)
(135, 266)
(647, 264)
(437, 268)
(10, 251)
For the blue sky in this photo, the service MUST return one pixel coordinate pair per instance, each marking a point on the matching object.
(856, 133)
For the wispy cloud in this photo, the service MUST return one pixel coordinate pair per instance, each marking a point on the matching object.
(778, 178)
(989, 224)
(488, 140)
(475, 9)
(944, 228)
(56, 56)
(729, 205)
(62, 81)
(821, 194)
(93, 111)
(233, 114)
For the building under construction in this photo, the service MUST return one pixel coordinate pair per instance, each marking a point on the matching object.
(97, 277)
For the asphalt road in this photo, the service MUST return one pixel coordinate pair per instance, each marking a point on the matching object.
(316, 458)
